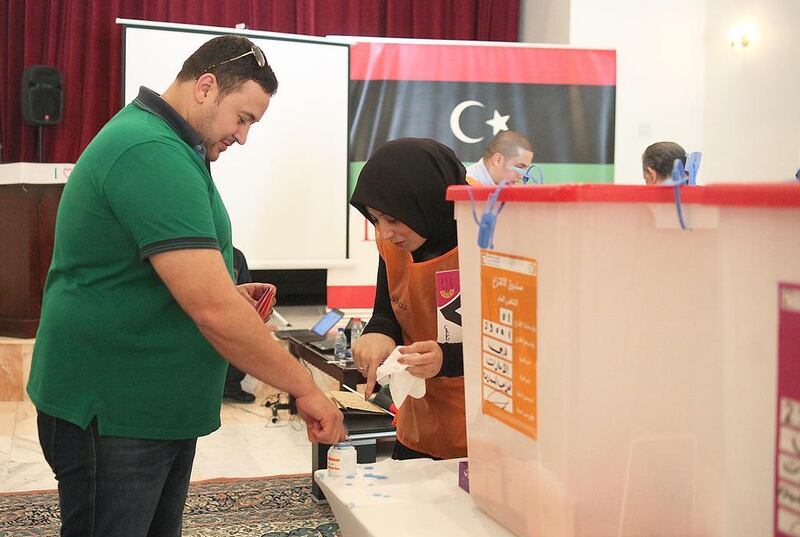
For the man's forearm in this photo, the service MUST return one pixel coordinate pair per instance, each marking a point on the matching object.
(238, 334)
(202, 286)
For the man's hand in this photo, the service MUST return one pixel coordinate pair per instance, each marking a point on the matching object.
(369, 351)
(424, 358)
(252, 292)
(323, 420)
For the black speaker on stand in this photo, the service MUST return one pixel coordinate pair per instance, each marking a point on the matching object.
(41, 99)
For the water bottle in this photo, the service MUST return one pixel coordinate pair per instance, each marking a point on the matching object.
(340, 346)
(355, 330)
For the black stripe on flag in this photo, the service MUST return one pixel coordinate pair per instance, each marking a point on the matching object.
(566, 123)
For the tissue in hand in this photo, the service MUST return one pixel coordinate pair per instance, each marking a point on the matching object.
(401, 382)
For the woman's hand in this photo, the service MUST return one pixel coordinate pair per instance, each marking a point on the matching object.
(369, 351)
(424, 358)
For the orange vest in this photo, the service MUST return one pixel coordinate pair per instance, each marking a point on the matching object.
(436, 423)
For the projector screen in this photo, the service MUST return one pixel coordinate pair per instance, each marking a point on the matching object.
(286, 188)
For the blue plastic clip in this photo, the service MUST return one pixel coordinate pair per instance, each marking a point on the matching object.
(528, 177)
(684, 176)
(678, 178)
(488, 220)
(693, 166)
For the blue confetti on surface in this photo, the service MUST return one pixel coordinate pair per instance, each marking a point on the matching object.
(369, 467)
(375, 476)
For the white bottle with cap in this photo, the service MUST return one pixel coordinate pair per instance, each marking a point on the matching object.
(342, 459)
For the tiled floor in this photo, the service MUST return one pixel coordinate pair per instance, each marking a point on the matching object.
(247, 444)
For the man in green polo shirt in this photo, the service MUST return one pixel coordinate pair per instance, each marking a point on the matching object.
(140, 312)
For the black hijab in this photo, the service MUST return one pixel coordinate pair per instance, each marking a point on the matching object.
(407, 179)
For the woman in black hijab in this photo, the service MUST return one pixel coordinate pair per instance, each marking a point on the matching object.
(401, 190)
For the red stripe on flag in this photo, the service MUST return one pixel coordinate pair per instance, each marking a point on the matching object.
(351, 296)
(472, 63)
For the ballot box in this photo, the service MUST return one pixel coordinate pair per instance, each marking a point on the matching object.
(632, 364)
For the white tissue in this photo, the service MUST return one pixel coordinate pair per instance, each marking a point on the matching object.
(401, 382)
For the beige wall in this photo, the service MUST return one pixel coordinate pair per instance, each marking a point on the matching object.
(752, 99)
(544, 21)
(678, 79)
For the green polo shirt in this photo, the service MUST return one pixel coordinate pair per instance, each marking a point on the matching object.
(113, 343)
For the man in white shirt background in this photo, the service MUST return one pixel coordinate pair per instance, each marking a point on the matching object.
(507, 156)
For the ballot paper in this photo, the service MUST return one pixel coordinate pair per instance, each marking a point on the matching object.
(264, 303)
(353, 402)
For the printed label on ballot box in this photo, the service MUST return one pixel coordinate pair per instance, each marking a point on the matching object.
(787, 449)
(508, 340)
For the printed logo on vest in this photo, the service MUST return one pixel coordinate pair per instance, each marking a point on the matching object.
(448, 307)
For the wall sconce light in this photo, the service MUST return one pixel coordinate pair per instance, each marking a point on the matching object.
(741, 36)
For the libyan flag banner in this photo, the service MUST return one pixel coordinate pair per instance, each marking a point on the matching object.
(562, 100)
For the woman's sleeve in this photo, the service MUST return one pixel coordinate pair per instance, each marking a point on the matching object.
(383, 320)
(452, 360)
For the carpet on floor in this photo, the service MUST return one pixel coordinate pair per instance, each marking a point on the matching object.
(279, 506)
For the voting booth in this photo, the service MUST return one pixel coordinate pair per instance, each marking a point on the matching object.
(626, 377)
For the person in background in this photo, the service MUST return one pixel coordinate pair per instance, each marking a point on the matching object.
(401, 190)
(658, 160)
(140, 311)
(507, 157)
(233, 379)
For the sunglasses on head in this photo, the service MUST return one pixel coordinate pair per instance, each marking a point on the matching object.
(257, 53)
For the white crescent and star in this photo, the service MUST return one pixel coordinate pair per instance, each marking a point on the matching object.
(498, 122)
(455, 122)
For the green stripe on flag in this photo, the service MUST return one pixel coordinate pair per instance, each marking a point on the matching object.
(553, 173)
(577, 173)
(355, 169)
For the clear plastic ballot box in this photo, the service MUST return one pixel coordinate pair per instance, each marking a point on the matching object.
(626, 377)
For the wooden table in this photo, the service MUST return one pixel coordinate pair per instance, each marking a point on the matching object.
(347, 375)
(364, 430)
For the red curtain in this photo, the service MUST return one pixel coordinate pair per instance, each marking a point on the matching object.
(82, 40)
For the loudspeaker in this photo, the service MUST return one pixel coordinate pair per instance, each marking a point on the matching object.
(41, 95)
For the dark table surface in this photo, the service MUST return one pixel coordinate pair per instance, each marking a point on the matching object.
(347, 374)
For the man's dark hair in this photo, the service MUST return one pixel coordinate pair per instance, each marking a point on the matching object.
(661, 157)
(508, 144)
(232, 74)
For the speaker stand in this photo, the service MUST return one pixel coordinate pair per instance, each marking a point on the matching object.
(39, 143)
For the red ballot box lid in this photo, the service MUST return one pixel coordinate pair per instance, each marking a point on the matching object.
(739, 195)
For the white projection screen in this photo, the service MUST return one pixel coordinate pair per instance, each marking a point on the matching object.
(286, 188)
